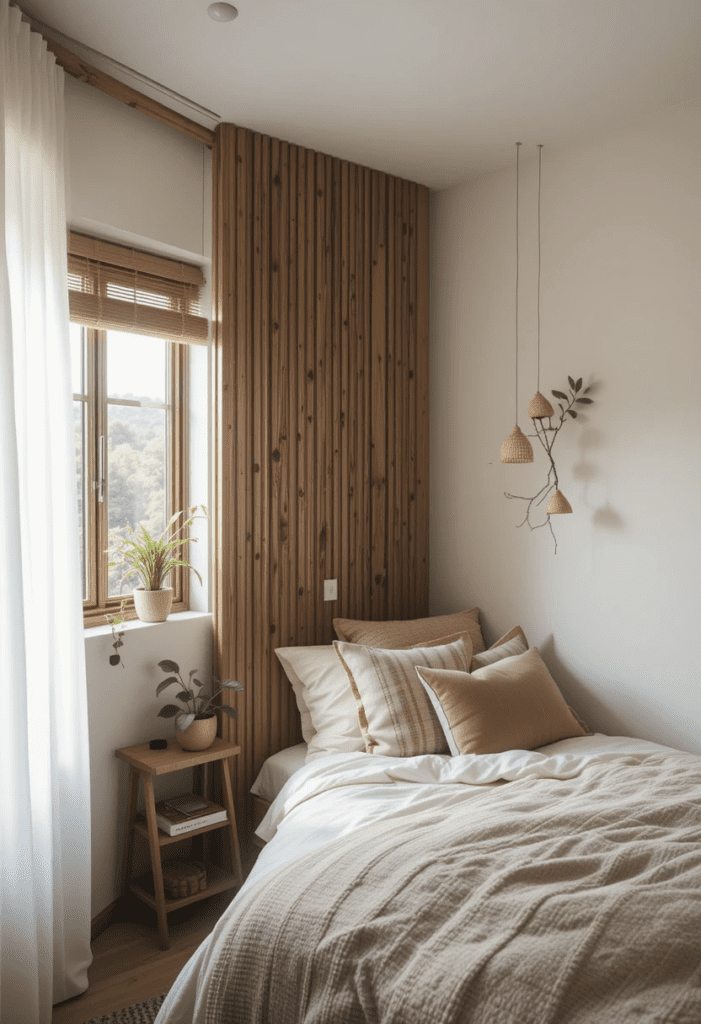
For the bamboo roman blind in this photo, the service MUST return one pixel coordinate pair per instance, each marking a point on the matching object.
(113, 287)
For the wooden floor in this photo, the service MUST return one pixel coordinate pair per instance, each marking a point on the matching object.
(128, 967)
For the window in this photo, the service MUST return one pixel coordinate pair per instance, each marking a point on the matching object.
(129, 388)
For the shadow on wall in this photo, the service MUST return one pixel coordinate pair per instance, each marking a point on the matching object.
(599, 716)
(604, 517)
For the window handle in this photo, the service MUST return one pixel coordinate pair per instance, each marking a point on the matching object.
(100, 482)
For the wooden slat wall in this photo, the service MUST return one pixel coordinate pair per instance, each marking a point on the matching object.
(320, 297)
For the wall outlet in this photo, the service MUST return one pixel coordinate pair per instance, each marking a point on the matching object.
(330, 590)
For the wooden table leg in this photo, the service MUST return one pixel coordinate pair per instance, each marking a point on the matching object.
(156, 860)
(129, 836)
(229, 804)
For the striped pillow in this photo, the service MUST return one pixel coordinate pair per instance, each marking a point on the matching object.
(512, 643)
(394, 711)
(406, 633)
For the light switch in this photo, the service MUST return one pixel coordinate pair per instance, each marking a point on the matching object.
(330, 590)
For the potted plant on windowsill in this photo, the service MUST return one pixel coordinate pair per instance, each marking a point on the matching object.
(196, 724)
(151, 559)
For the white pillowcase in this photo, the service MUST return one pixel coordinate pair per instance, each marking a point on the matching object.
(324, 698)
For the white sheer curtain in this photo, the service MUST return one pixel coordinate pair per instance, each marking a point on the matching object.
(44, 763)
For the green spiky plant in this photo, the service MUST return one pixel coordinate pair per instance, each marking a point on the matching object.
(151, 559)
(198, 704)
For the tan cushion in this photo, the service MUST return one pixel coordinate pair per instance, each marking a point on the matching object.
(442, 640)
(512, 643)
(513, 704)
(405, 633)
(394, 711)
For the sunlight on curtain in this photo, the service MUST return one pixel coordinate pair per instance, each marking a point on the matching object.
(44, 761)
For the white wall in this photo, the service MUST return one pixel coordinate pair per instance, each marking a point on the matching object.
(123, 710)
(132, 177)
(135, 181)
(616, 610)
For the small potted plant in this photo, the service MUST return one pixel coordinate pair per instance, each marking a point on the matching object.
(151, 559)
(196, 722)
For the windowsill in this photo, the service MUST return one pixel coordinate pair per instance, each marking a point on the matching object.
(137, 624)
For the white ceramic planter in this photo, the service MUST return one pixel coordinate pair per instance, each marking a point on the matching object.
(153, 605)
(200, 735)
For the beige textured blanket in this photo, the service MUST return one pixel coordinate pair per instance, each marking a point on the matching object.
(539, 901)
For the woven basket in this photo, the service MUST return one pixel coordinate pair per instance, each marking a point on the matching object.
(558, 504)
(539, 407)
(184, 878)
(516, 447)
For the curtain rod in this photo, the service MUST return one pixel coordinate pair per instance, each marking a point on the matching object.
(78, 68)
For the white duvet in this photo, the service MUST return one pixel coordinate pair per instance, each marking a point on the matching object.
(339, 794)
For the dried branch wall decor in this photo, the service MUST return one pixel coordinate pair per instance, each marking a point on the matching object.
(547, 436)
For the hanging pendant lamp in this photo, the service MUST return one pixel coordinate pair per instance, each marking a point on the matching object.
(539, 407)
(516, 447)
(558, 504)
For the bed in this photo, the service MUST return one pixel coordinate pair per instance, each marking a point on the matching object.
(548, 884)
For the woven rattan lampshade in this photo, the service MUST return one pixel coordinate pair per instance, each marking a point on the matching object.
(558, 504)
(539, 408)
(516, 447)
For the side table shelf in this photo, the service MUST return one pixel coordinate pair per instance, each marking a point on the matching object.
(144, 763)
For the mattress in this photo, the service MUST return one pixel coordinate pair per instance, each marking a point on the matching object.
(277, 771)
(368, 828)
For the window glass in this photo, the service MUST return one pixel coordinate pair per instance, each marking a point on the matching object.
(137, 367)
(137, 477)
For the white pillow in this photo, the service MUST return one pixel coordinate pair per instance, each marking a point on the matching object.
(324, 698)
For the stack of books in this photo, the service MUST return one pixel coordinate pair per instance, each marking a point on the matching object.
(181, 814)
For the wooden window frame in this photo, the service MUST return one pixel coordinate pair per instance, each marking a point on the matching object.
(98, 604)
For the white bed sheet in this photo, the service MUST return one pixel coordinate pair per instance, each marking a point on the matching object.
(338, 794)
(278, 770)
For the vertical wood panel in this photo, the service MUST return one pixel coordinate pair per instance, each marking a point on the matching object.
(390, 545)
(421, 245)
(411, 465)
(378, 406)
(365, 493)
(320, 299)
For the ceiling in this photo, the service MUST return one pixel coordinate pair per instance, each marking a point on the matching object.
(436, 91)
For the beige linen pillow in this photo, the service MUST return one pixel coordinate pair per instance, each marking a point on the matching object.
(404, 633)
(394, 711)
(513, 704)
(512, 643)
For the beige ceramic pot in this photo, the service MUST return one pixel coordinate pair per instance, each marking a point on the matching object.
(200, 735)
(153, 605)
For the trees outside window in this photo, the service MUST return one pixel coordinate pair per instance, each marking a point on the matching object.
(129, 448)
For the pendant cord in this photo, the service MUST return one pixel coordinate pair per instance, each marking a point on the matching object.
(540, 159)
(518, 144)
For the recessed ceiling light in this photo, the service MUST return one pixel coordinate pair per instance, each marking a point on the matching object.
(222, 12)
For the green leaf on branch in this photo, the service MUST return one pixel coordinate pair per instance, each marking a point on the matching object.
(231, 712)
(232, 684)
(559, 394)
(166, 682)
(572, 413)
(586, 401)
(170, 711)
(570, 381)
(183, 695)
(578, 385)
(168, 666)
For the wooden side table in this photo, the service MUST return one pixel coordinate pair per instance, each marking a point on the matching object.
(144, 763)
